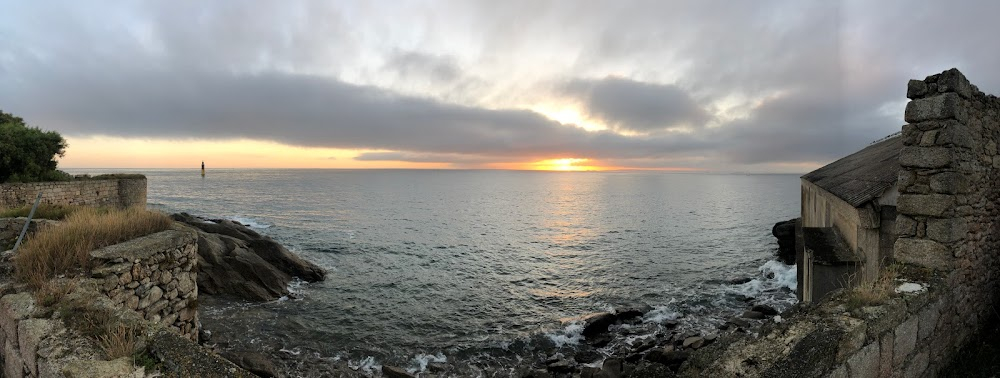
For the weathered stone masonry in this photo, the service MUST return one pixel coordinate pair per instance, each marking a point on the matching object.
(155, 276)
(99, 192)
(949, 191)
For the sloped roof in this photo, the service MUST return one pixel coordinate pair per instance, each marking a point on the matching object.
(862, 176)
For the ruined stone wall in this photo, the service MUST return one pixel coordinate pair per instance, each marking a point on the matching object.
(99, 192)
(154, 275)
(949, 190)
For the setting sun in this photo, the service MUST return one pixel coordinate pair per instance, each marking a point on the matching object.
(567, 164)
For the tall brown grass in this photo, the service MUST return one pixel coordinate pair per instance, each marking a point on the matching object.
(875, 292)
(119, 341)
(65, 249)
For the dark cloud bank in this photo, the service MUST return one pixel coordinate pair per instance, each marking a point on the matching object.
(823, 75)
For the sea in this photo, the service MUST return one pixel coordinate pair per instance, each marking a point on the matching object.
(485, 270)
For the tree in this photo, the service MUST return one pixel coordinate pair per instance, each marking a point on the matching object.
(28, 153)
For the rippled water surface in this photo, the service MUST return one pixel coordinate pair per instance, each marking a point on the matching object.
(461, 265)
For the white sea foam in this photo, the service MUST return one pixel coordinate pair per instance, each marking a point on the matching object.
(367, 365)
(661, 314)
(421, 360)
(252, 223)
(295, 352)
(572, 334)
(774, 275)
(784, 275)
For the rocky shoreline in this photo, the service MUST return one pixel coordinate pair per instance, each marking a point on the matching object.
(629, 341)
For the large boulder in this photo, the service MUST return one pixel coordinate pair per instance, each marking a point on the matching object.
(785, 232)
(236, 261)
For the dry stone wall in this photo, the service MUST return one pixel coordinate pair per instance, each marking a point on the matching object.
(99, 192)
(154, 275)
(949, 191)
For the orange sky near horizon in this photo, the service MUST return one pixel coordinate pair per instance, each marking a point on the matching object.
(115, 152)
(129, 153)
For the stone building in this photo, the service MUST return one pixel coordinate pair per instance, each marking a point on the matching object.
(848, 218)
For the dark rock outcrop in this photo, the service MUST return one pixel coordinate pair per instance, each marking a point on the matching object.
(598, 323)
(236, 261)
(785, 232)
(764, 309)
(254, 362)
(396, 372)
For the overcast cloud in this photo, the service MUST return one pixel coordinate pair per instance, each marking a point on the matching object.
(699, 84)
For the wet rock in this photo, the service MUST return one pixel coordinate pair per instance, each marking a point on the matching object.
(635, 311)
(709, 337)
(598, 323)
(785, 233)
(611, 368)
(739, 323)
(599, 341)
(237, 261)
(753, 315)
(437, 367)
(586, 356)
(740, 281)
(642, 345)
(396, 372)
(589, 372)
(254, 362)
(693, 342)
(562, 366)
(633, 357)
(204, 336)
(537, 373)
(645, 369)
(765, 309)
(554, 358)
(669, 324)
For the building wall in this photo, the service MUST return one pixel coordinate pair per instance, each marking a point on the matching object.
(822, 209)
(108, 192)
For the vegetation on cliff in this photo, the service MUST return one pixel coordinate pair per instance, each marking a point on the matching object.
(65, 249)
(44, 211)
(27, 153)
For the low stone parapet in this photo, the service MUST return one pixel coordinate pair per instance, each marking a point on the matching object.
(111, 192)
(154, 275)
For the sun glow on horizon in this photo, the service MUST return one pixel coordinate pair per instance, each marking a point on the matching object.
(565, 164)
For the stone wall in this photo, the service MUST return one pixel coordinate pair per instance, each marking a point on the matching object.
(118, 192)
(949, 190)
(37, 343)
(154, 275)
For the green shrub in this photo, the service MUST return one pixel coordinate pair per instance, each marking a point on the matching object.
(28, 154)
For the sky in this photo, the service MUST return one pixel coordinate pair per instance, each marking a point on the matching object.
(715, 86)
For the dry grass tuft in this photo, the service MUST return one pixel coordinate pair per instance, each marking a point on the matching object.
(52, 292)
(65, 249)
(119, 341)
(874, 292)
